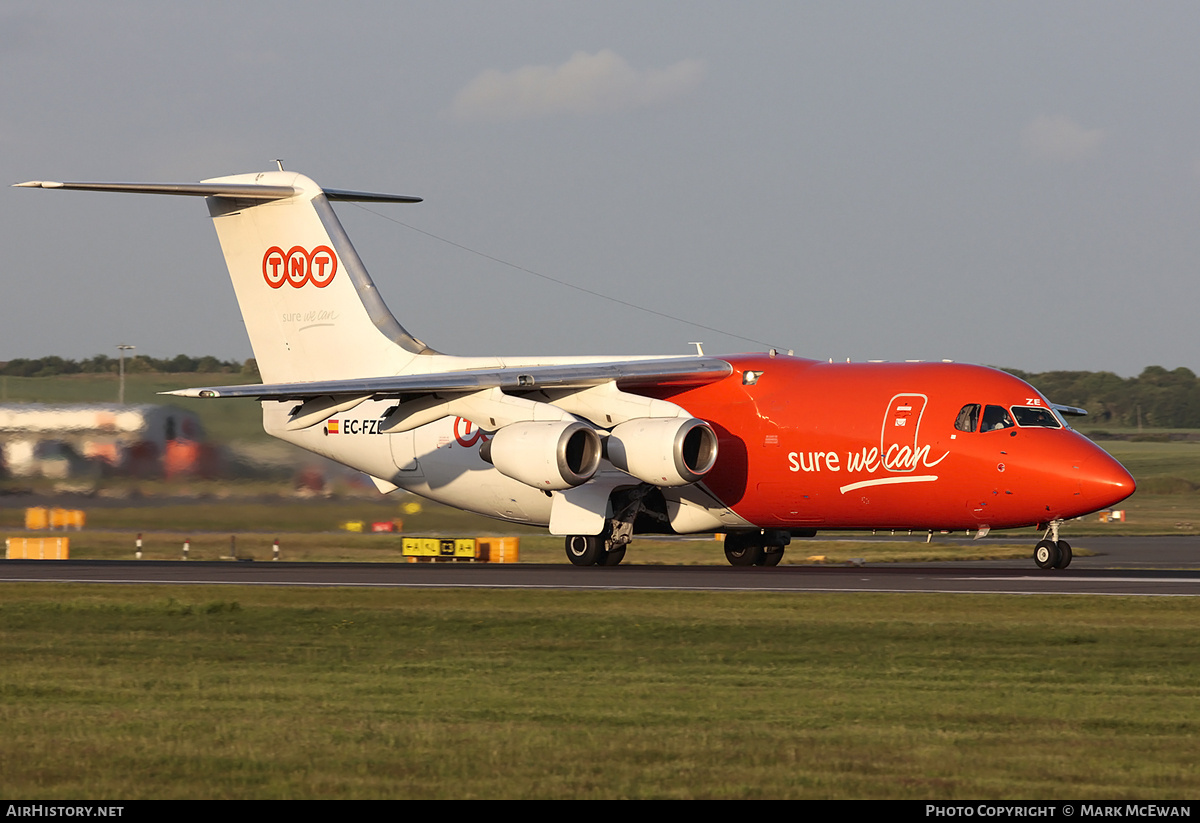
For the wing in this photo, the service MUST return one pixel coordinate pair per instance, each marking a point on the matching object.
(627, 373)
(492, 397)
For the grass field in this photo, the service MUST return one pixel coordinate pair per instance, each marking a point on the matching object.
(160, 692)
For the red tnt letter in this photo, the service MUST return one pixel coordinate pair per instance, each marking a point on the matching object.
(464, 435)
(297, 266)
(272, 261)
(322, 266)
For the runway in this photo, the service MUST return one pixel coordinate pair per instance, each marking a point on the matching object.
(1142, 566)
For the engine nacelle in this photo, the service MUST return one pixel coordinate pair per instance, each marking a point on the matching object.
(551, 455)
(663, 451)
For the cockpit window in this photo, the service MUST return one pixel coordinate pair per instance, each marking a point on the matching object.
(1033, 416)
(968, 418)
(995, 418)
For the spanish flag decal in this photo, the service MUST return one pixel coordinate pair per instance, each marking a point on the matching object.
(333, 427)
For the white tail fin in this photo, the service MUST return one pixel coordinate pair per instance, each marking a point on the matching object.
(309, 305)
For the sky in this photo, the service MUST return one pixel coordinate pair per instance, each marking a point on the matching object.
(1015, 184)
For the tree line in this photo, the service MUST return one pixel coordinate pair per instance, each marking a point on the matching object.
(1156, 398)
(137, 364)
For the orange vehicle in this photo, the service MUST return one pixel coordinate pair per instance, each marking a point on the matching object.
(760, 447)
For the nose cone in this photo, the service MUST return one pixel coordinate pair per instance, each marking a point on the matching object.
(1104, 482)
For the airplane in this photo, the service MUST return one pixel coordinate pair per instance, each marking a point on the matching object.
(758, 447)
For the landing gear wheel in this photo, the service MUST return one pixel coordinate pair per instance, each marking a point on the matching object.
(584, 549)
(743, 550)
(1064, 555)
(612, 557)
(1046, 554)
(772, 558)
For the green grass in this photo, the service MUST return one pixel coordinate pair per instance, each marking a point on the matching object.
(230, 692)
(1148, 462)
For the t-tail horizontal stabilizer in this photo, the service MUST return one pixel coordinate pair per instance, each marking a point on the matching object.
(311, 310)
(244, 191)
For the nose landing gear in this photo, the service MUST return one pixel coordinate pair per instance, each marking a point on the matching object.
(1050, 552)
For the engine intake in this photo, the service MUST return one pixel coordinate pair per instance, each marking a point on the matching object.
(663, 451)
(551, 455)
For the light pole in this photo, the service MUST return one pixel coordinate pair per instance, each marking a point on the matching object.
(122, 348)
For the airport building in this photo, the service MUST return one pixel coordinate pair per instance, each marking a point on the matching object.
(88, 440)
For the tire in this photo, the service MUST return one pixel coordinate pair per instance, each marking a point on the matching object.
(743, 549)
(772, 558)
(1064, 555)
(584, 549)
(1046, 554)
(612, 558)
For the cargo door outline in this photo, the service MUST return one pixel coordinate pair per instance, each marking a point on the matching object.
(899, 449)
(404, 453)
(901, 426)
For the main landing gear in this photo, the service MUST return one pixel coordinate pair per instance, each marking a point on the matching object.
(1050, 552)
(593, 550)
(755, 548)
(608, 547)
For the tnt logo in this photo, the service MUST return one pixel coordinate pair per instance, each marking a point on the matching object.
(466, 433)
(298, 266)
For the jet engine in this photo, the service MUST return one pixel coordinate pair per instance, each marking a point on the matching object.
(547, 455)
(663, 451)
